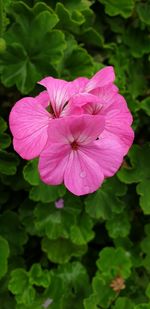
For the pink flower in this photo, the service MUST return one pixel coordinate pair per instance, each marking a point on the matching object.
(30, 117)
(73, 154)
(81, 130)
(59, 203)
(99, 96)
(102, 78)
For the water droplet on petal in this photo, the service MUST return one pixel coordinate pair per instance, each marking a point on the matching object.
(83, 174)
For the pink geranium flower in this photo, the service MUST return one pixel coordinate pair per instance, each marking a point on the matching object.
(30, 117)
(99, 96)
(81, 130)
(75, 156)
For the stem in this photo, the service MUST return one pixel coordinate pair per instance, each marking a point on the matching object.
(1, 18)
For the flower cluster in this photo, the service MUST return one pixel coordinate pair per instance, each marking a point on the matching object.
(80, 130)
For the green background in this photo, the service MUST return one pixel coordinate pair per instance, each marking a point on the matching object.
(71, 258)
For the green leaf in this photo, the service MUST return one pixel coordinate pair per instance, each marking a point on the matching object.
(91, 37)
(137, 82)
(105, 294)
(4, 253)
(18, 281)
(69, 20)
(11, 229)
(139, 171)
(118, 225)
(142, 306)
(119, 264)
(91, 302)
(81, 232)
(46, 194)
(143, 10)
(26, 215)
(19, 286)
(123, 7)
(145, 105)
(123, 303)
(39, 277)
(21, 71)
(26, 61)
(8, 163)
(145, 246)
(144, 192)
(52, 222)
(79, 63)
(106, 200)
(41, 192)
(3, 125)
(5, 140)
(111, 264)
(75, 276)
(44, 21)
(68, 249)
(30, 172)
(140, 167)
(79, 5)
(138, 44)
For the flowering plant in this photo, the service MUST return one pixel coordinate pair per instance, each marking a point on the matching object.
(81, 130)
(74, 194)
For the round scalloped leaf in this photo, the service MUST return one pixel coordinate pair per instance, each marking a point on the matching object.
(123, 303)
(143, 10)
(122, 7)
(118, 264)
(45, 193)
(139, 168)
(38, 276)
(30, 172)
(81, 232)
(61, 250)
(106, 200)
(118, 225)
(19, 286)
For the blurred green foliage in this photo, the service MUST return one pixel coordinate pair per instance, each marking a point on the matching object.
(95, 252)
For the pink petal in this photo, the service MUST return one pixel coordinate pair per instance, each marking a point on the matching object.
(82, 128)
(31, 146)
(52, 163)
(107, 152)
(28, 122)
(120, 106)
(59, 203)
(102, 78)
(118, 120)
(87, 103)
(71, 109)
(82, 174)
(79, 84)
(59, 92)
(106, 95)
(43, 98)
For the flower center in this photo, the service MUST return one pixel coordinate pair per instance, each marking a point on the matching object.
(74, 145)
(50, 110)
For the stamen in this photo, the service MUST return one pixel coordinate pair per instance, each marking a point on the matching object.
(74, 145)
